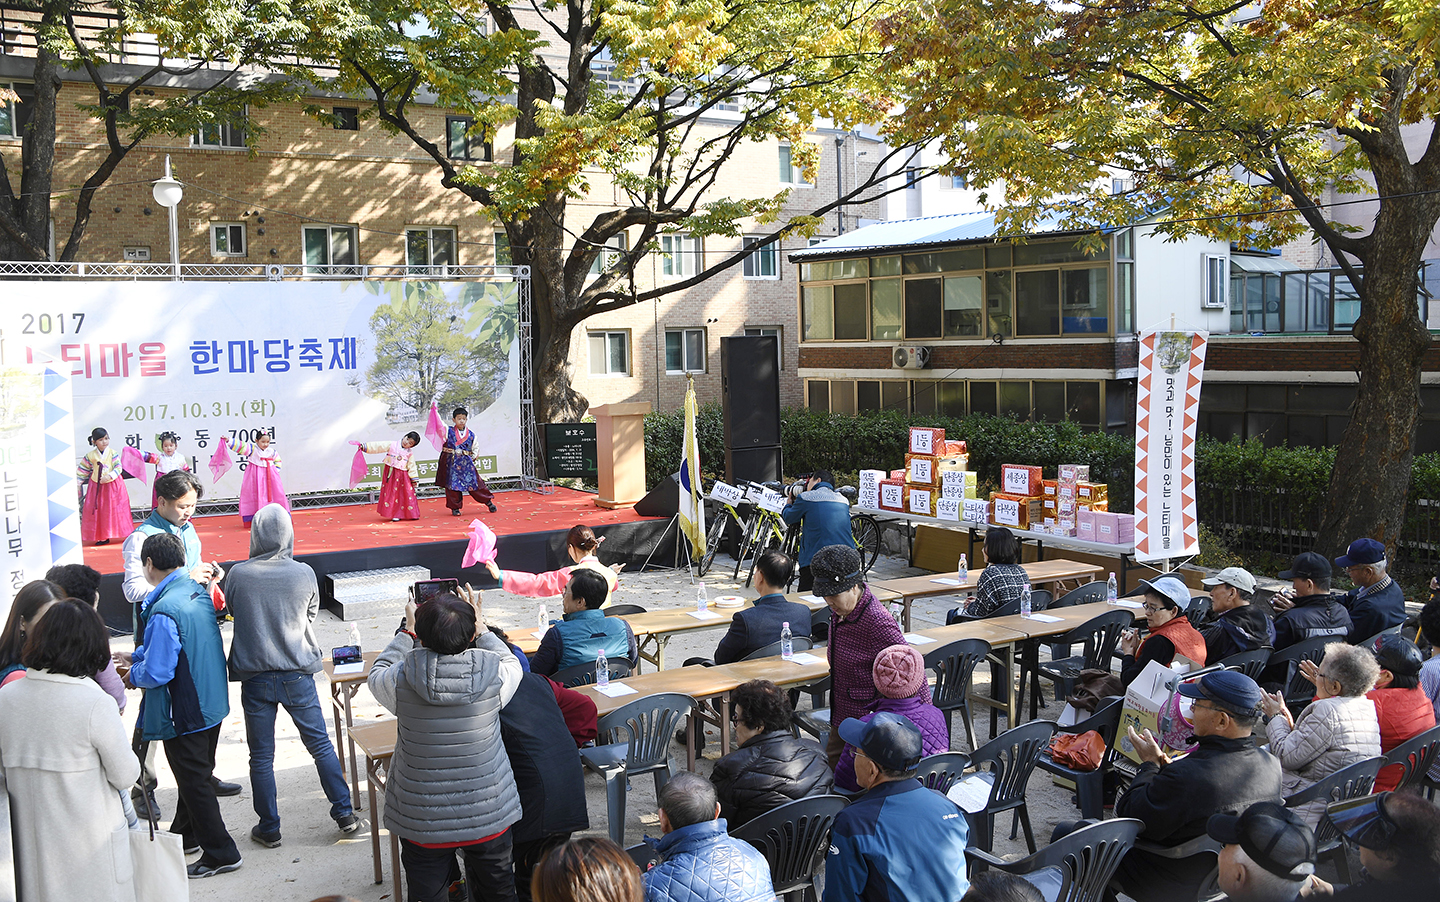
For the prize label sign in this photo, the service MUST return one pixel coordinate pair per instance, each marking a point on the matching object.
(948, 508)
(726, 493)
(892, 496)
(1017, 481)
(920, 502)
(922, 470)
(1006, 511)
(976, 510)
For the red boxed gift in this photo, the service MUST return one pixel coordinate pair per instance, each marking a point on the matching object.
(1017, 479)
(926, 440)
(892, 495)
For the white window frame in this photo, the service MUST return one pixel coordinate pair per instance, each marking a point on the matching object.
(230, 135)
(614, 248)
(779, 333)
(330, 267)
(429, 266)
(679, 255)
(752, 268)
(230, 229)
(1217, 282)
(790, 174)
(687, 365)
(607, 336)
(958, 182)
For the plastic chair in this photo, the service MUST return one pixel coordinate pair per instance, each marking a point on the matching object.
(1012, 757)
(1200, 845)
(620, 610)
(1040, 599)
(798, 643)
(1201, 612)
(1416, 755)
(942, 771)
(1099, 636)
(1298, 691)
(1391, 631)
(647, 725)
(644, 855)
(1089, 593)
(1251, 663)
(584, 674)
(1086, 859)
(954, 665)
(794, 838)
(1345, 784)
(816, 721)
(1090, 784)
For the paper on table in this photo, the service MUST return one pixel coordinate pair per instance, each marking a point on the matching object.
(916, 639)
(1124, 603)
(342, 669)
(946, 581)
(814, 598)
(615, 690)
(703, 615)
(801, 657)
(1044, 618)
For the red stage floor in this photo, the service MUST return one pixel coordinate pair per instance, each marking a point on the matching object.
(327, 529)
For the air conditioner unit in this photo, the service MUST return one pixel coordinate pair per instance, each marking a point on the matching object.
(911, 357)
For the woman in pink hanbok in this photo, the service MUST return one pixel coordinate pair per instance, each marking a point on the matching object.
(261, 483)
(105, 510)
(398, 478)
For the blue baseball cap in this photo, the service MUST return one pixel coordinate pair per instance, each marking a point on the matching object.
(890, 740)
(1230, 688)
(1360, 553)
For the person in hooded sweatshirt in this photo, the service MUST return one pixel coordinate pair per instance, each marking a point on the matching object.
(274, 657)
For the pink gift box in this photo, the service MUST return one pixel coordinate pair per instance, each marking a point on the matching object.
(1114, 529)
(1085, 525)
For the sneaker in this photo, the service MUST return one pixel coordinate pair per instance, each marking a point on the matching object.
(192, 848)
(492, 507)
(268, 840)
(225, 789)
(202, 868)
(351, 823)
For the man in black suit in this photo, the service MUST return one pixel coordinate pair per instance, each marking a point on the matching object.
(757, 627)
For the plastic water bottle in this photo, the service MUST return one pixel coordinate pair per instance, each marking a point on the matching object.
(702, 601)
(1025, 601)
(787, 644)
(544, 625)
(964, 567)
(602, 670)
(355, 635)
(1112, 593)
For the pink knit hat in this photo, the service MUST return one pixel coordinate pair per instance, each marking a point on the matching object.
(899, 671)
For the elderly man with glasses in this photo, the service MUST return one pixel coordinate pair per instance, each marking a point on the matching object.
(1377, 602)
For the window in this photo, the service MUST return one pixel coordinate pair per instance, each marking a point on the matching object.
(227, 239)
(15, 117)
(770, 330)
(912, 178)
(230, 133)
(347, 118)
(615, 248)
(680, 255)
(427, 247)
(685, 351)
(957, 182)
(1122, 186)
(330, 250)
(502, 249)
(462, 142)
(764, 260)
(1217, 275)
(610, 353)
(790, 173)
(834, 312)
(1124, 281)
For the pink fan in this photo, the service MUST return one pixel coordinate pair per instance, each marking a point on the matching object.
(133, 462)
(482, 545)
(435, 430)
(358, 467)
(220, 461)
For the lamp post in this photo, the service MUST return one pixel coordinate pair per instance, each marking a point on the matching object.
(168, 192)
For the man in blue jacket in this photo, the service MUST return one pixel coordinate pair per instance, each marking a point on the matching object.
(699, 861)
(1377, 602)
(824, 518)
(899, 840)
(585, 630)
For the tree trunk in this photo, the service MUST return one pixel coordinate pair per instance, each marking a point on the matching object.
(31, 209)
(555, 311)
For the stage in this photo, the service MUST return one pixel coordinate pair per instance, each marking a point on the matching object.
(529, 528)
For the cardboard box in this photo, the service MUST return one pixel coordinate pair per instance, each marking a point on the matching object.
(1092, 492)
(1145, 698)
(920, 469)
(1019, 479)
(1085, 525)
(892, 495)
(1015, 511)
(899, 474)
(920, 501)
(926, 440)
(1064, 526)
(954, 448)
(1074, 472)
(869, 493)
(959, 484)
(1049, 506)
(975, 510)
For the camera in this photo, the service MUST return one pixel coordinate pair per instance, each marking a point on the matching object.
(793, 490)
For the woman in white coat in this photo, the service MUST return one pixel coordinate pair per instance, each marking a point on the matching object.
(66, 759)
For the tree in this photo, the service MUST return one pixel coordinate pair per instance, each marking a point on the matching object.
(615, 91)
(1233, 126)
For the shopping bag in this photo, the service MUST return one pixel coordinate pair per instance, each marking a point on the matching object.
(159, 859)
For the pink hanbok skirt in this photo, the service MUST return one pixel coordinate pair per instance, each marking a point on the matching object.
(106, 512)
(397, 496)
(259, 487)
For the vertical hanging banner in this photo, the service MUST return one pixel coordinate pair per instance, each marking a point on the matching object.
(1167, 402)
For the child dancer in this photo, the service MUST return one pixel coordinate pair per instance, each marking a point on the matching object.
(457, 474)
(105, 511)
(261, 483)
(167, 461)
(399, 478)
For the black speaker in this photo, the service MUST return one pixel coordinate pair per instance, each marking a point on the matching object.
(761, 464)
(663, 500)
(750, 390)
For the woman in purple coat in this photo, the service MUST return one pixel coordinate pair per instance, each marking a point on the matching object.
(900, 678)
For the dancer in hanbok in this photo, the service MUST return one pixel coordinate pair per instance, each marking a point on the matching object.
(457, 474)
(105, 508)
(261, 483)
(398, 478)
(167, 461)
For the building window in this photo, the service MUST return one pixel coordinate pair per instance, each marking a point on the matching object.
(778, 333)
(610, 353)
(331, 250)
(685, 350)
(1217, 277)
(1124, 281)
(502, 248)
(426, 246)
(764, 259)
(1122, 186)
(912, 178)
(958, 182)
(461, 141)
(229, 134)
(615, 248)
(227, 239)
(790, 173)
(347, 118)
(679, 255)
(15, 117)
(1040, 401)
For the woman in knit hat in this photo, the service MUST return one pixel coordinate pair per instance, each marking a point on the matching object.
(900, 677)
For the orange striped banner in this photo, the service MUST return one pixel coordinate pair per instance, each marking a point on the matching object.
(1167, 405)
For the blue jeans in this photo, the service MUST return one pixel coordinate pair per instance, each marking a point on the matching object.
(260, 696)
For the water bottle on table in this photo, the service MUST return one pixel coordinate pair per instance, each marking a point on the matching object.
(602, 670)
(355, 636)
(964, 568)
(1025, 600)
(787, 644)
(544, 624)
(702, 601)
(1112, 593)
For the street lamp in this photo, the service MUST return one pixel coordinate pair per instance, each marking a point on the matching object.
(168, 192)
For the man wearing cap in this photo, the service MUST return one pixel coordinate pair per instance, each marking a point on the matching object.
(899, 840)
(1307, 608)
(1401, 706)
(1240, 626)
(1171, 637)
(1268, 856)
(1226, 773)
(1377, 602)
(825, 515)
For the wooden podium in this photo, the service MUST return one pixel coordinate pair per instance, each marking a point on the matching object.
(620, 439)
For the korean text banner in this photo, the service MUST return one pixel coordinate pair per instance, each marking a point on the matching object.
(1167, 404)
(313, 365)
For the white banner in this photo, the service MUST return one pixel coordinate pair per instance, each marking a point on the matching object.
(1167, 405)
(313, 364)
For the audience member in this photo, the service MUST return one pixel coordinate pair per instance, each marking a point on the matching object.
(1002, 581)
(66, 761)
(1171, 638)
(899, 676)
(579, 637)
(1399, 839)
(1307, 609)
(26, 608)
(181, 666)
(899, 840)
(770, 766)
(1239, 626)
(1401, 706)
(581, 545)
(1269, 853)
(998, 886)
(1430, 672)
(860, 628)
(588, 869)
(825, 517)
(759, 626)
(82, 582)
(1336, 730)
(450, 786)
(1226, 773)
(274, 656)
(699, 859)
(1377, 602)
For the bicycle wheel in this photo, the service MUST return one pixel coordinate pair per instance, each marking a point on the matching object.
(866, 530)
(713, 539)
(773, 540)
(749, 536)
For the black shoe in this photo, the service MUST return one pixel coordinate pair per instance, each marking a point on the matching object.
(351, 823)
(203, 868)
(492, 508)
(225, 789)
(268, 840)
(138, 801)
(454, 513)
(191, 846)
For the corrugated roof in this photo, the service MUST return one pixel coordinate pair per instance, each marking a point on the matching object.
(913, 234)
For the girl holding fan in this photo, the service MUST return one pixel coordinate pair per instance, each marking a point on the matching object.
(105, 509)
(398, 478)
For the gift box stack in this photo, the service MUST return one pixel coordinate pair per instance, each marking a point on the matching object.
(869, 495)
(935, 468)
(1067, 499)
(1021, 503)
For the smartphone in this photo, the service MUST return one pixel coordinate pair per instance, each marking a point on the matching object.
(346, 654)
(427, 589)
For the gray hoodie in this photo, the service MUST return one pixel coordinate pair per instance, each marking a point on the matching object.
(274, 599)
